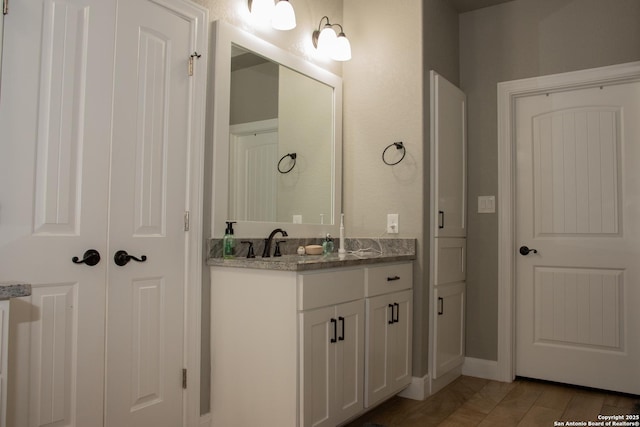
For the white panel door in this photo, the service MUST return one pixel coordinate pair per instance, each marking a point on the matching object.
(145, 314)
(55, 106)
(449, 151)
(577, 205)
(253, 181)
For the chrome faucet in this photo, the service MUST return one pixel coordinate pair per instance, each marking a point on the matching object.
(267, 242)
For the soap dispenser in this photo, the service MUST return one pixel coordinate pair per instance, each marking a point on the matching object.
(229, 241)
(327, 245)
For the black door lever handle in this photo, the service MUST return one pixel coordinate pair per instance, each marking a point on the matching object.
(122, 258)
(525, 250)
(90, 257)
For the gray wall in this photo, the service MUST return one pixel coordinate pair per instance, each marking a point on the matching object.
(516, 40)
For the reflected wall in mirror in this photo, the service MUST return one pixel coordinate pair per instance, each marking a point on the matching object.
(281, 143)
(274, 110)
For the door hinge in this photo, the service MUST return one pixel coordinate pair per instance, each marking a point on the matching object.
(195, 55)
(5, 7)
(184, 378)
(186, 221)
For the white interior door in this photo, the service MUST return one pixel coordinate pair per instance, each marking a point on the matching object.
(149, 183)
(253, 184)
(577, 204)
(55, 137)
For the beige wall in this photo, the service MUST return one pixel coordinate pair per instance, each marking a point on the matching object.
(386, 100)
(520, 39)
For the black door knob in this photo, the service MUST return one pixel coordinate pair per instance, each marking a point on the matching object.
(122, 258)
(90, 257)
(525, 250)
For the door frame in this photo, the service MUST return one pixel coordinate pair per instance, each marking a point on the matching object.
(198, 17)
(508, 93)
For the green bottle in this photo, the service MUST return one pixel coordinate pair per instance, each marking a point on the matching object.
(229, 242)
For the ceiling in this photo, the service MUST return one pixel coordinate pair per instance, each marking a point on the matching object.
(468, 5)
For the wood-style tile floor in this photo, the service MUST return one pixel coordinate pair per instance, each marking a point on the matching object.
(472, 401)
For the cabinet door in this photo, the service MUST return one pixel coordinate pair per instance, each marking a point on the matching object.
(401, 330)
(449, 305)
(349, 360)
(448, 147)
(377, 378)
(317, 368)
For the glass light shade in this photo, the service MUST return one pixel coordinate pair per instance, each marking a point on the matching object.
(284, 18)
(262, 9)
(327, 41)
(341, 49)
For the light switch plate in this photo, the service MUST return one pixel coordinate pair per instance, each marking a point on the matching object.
(392, 223)
(486, 204)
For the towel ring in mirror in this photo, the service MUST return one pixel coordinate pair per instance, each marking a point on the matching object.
(293, 163)
(399, 146)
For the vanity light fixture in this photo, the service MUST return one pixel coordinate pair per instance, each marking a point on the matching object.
(284, 18)
(261, 9)
(335, 46)
(281, 14)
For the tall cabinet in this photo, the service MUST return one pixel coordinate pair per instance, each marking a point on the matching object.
(448, 231)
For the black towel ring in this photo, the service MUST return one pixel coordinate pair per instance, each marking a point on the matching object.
(293, 157)
(399, 146)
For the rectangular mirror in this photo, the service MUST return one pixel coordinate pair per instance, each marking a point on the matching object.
(277, 139)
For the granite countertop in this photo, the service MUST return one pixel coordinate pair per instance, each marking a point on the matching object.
(363, 251)
(14, 290)
(309, 262)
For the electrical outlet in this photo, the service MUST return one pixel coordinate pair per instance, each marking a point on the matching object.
(392, 223)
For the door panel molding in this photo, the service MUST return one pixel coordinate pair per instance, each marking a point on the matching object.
(508, 93)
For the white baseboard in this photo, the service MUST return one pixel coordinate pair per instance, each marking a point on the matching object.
(481, 368)
(205, 420)
(418, 389)
(445, 379)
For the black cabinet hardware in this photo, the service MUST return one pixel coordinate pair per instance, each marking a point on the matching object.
(335, 330)
(391, 279)
(341, 337)
(440, 219)
(397, 318)
(390, 322)
(440, 306)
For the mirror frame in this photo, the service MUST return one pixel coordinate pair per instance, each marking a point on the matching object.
(223, 36)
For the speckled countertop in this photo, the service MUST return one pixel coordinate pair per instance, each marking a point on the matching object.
(360, 252)
(14, 290)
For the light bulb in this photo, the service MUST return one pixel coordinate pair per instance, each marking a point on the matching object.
(262, 9)
(326, 41)
(284, 18)
(341, 49)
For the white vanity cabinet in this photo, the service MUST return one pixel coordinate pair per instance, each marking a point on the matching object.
(289, 347)
(389, 303)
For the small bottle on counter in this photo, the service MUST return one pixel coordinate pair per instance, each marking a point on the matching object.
(229, 242)
(327, 245)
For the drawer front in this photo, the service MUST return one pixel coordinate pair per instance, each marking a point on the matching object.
(320, 289)
(450, 260)
(388, 278)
